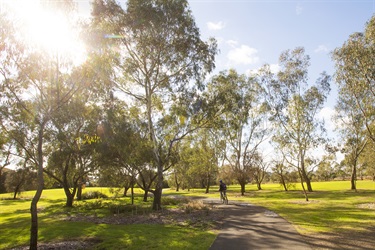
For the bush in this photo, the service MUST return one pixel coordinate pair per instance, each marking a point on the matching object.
(93, 195)
(167, 201)
(195, 205)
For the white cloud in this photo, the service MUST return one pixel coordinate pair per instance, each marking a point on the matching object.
(299, 9)
(327, 114)
(215, 26)
(275, 68)
(232, 43)
(321, 48)
(243, 55)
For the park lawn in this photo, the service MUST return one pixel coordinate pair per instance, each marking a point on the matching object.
(15, 225)
(332, 207)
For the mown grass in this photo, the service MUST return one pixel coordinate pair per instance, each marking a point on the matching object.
(332, 207)
(15, 223)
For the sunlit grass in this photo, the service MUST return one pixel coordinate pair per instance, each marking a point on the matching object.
(332, 207)
(15, 223)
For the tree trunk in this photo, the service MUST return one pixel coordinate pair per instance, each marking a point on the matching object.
(125, 191)
(305, 177)
(208, 184)
(156, 205)
(17, 190)
(353, 177)
(38, 193)
(283, 182)
(69, 196)
(132, 193)
(79, 192)
(303, 186)
(259, 185)
(242, 184)
(176, 182)
(145, 196)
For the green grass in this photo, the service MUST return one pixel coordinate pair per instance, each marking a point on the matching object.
(332, 207)
(15, 223)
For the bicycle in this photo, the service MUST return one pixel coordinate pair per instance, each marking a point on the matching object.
(223, 197)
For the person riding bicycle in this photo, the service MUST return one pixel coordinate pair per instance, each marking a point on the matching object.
(222, 188)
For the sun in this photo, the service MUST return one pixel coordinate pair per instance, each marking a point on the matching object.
(50, 30)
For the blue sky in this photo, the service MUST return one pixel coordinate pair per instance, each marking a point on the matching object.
(254, 32)
(251, 33)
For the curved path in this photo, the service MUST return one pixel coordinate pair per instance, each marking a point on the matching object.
(248, 226)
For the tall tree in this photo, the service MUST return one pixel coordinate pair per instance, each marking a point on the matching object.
(34, 89)
(352, 131)
(242, 121)
(295, 105)
(5, 160)
(158, 61)
(367, 160)
(355, 74)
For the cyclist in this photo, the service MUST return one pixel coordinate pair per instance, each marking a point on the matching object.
(223, 192)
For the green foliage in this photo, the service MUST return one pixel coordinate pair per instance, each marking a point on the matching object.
(355, 67)
(294, 105)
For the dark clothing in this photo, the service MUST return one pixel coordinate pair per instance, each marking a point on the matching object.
(223, 187)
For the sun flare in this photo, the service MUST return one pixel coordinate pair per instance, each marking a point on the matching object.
(50, 30)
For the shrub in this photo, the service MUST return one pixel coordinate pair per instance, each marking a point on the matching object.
(93, 195)
(173, 200)
(195, 205)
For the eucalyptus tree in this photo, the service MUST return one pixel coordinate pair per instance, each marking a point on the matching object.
(181, 175)
(22, 119)
(203, 157)
(35, 85)
(355, 78)
(153, 53)
(295, 105)
(5, 159)
(350, 123)
(125, 153)
(259, 170)
(74, 151)
(355, 74)
(367, 160)
(281, 171)
(21, 179)
(243, 121)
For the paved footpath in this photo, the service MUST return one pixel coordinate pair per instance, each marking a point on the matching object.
(248, 226)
